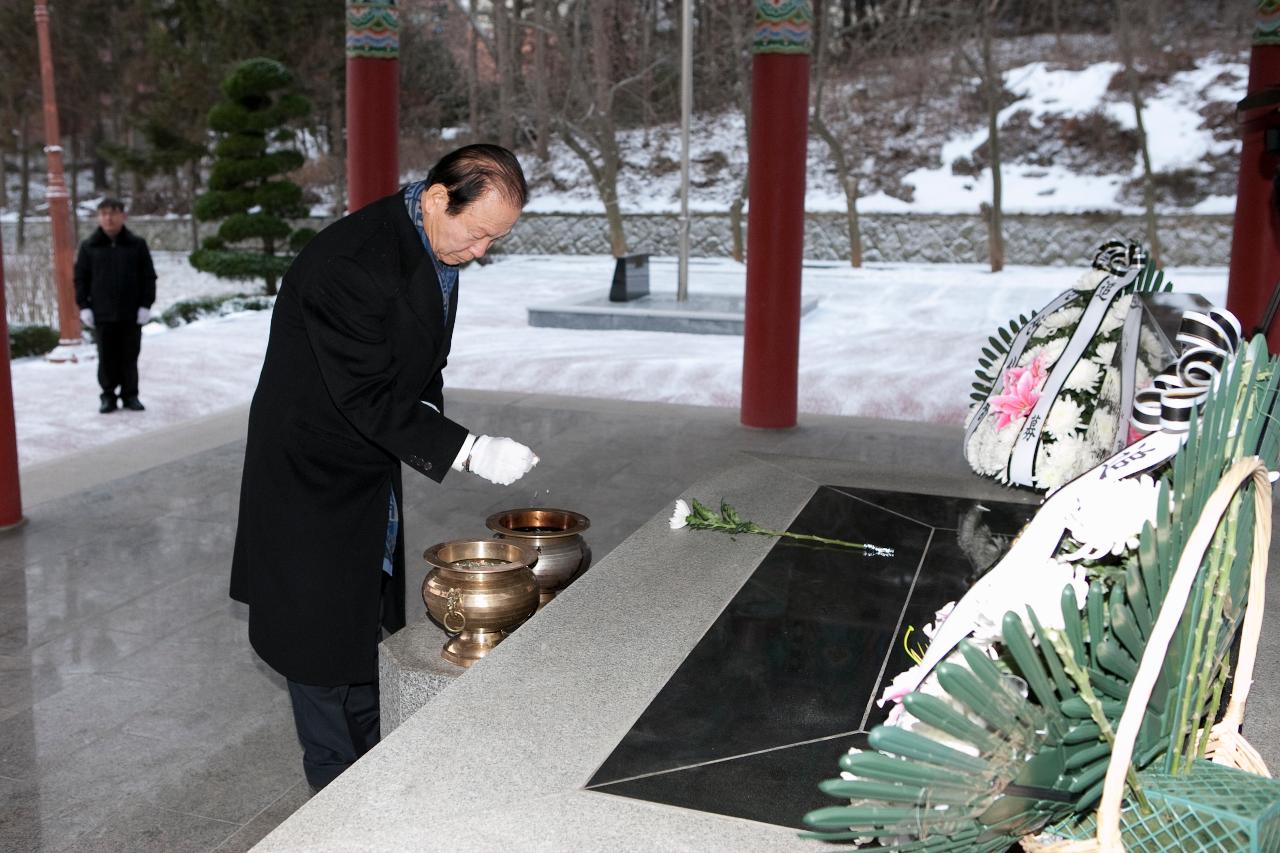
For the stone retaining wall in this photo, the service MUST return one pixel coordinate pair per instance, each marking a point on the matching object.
(918, 238)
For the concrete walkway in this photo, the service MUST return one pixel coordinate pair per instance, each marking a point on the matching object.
(134, 716)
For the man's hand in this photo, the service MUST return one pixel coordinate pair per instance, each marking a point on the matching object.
(500, 460)
(86, 317)
(144, 316)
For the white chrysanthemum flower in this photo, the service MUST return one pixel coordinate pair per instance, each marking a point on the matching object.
(1083, 377)
(1110, 389)
(1089, 280)
(1101, 433)
(1115, 316)
(680, 518)
(1062, 461)
(989, 448)
(1064, 417)
(1052, 350)
(1063, 318)
(1107, 517)
(1106, 351)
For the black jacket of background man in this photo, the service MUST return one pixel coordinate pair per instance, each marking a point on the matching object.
(115, 277)
(357, 343)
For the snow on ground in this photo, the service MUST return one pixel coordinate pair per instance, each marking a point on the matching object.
(890, 340)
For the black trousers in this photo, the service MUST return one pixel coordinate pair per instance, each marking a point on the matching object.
(118, 348)
(336, 725)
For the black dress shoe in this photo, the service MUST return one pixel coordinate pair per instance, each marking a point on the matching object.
(108, 404)
(133, 404)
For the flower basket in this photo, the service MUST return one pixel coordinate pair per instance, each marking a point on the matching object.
(1226, 803)
(1053, 392)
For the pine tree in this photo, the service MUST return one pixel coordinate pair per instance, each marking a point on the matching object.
(247, 190)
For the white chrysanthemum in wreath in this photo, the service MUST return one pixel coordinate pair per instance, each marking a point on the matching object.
(1107, 517)
(1115, 316)
(1083, 377)
(1062, 460)
(1048, 353)
(1090, 279)
(1064, 418)
(1105, 352)
(1062, 318)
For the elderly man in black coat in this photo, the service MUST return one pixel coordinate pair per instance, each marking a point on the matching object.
(350, 388)
(115, 286)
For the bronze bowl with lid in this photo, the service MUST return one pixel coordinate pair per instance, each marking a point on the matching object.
(479, 590)
(556, 534)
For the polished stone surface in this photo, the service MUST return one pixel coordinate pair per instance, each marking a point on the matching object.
(785, 678)
(131, 706)
(133, 713)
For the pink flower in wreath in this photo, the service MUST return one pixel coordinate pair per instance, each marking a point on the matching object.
(1021, 392)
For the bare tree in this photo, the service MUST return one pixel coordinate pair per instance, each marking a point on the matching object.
(846, 174)
(1128, 49)
(991, 83)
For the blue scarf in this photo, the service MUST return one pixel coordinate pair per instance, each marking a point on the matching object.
(448, 275)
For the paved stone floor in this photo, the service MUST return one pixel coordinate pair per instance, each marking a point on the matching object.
(134, 716)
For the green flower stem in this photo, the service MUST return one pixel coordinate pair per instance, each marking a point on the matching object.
(1195, 691)
(702, 518)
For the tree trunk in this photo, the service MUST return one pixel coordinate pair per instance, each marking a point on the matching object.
(992, 83)
(844, 173)
(193, 186)
(606, 136)
(851, 192)
(502, 39)
(99, 162)
(473, 82)
(735, 223)
(24, 190)
(73, 182)
(541, 100)
(1125, 23)
(338, 151)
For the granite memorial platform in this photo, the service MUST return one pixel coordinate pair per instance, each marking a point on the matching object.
(689, 691)
(706, 314)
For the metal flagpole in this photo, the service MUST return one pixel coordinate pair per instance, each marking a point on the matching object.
(686, 107)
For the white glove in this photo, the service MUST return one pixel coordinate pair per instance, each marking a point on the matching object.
(144, 316)
(499, 460)
(86, 317)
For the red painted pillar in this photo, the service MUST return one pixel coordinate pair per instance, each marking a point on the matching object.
(373, 101)
(10, 490)
(1255, 240)
(775, 219)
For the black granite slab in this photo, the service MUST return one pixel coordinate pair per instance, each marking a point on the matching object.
(784, 680)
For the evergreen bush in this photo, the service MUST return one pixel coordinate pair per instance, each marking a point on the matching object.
(31, 340)
(247, 190)
(190, 310)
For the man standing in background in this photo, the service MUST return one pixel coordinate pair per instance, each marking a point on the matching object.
(115, 286)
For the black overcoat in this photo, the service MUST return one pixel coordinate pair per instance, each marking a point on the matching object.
(358, 341)
(114, 276)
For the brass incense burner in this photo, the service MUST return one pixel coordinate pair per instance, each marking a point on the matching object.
(556, 534)
(479, 590)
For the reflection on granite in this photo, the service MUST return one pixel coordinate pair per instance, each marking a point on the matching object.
(785, 679)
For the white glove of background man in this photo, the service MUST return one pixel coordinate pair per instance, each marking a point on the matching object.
(498, 460)
(86, 317)
(144, 316)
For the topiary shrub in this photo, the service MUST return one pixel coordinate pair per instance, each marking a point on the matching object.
(31, 340)
(246, 188)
